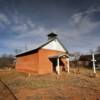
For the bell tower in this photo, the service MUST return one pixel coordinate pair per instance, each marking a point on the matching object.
(52, 36)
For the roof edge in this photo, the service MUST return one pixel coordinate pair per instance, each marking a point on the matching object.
(30, 51)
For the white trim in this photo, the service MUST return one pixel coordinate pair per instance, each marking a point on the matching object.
(67, 59)
(58, 67)
(54, 45)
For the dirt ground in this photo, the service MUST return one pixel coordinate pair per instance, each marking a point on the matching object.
(72, 86)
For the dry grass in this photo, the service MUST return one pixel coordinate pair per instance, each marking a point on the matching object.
(71, 86)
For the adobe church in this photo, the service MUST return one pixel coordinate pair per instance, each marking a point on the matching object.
(50, 57)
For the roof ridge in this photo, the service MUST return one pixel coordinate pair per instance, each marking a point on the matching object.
(42, 46)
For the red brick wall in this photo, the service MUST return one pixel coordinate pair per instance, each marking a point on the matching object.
(45, 65)
(27, 63)
(37, 62)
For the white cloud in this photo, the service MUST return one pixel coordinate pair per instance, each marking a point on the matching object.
(4, 19)
(92, 10)
(81, 23)
(73, 36)
(20, 28)
(26, 31)
(79, 33)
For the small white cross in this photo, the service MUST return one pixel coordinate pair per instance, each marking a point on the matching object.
(93, 60)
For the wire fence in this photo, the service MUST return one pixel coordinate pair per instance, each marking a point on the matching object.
(5, 92)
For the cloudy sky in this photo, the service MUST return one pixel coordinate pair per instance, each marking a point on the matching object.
(27, 22)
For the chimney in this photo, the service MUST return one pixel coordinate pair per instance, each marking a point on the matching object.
(51, 36)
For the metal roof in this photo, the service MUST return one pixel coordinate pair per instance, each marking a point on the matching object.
(36, 49)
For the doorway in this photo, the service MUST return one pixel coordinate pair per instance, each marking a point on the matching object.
(54, 64)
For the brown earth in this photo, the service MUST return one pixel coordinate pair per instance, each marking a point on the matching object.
(71, 86)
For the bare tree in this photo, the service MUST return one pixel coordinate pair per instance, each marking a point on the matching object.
(17, 51)
(6, 61)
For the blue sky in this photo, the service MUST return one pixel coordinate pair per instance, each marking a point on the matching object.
(77, 23)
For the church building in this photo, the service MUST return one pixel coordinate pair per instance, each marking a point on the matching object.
(50, 57)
